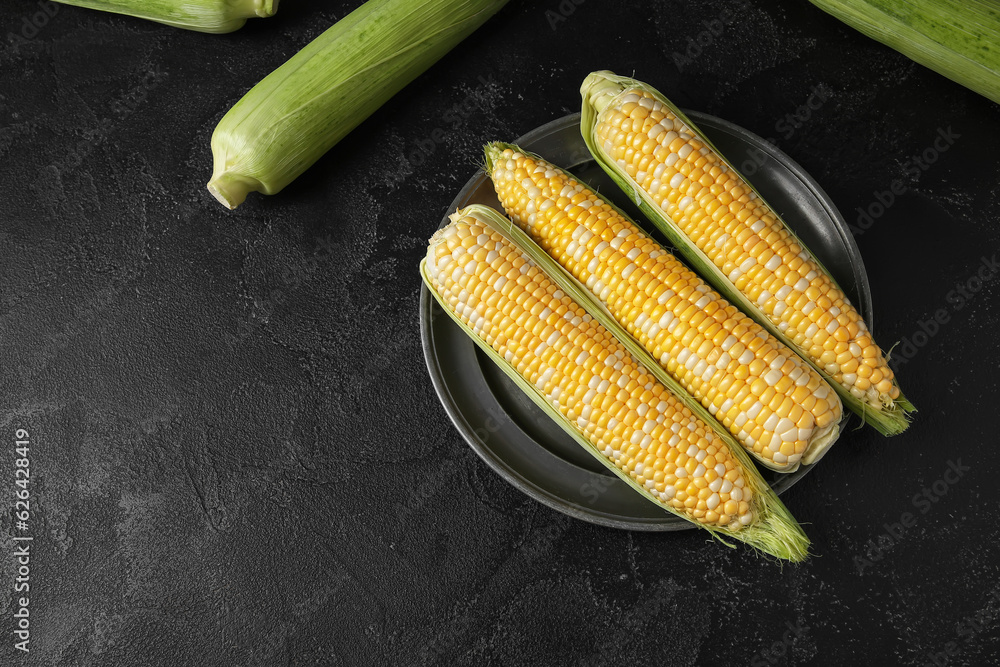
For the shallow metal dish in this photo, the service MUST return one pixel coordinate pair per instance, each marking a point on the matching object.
(520, 442)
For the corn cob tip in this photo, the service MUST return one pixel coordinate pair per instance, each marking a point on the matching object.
(491, 152)
(892, 419)
(232, 189)
(265, 8)
(494, 151)
(780, 535)
(248, 9)
(599, 89)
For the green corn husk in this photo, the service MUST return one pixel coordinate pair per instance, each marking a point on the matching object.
(298, 112)
(959, 39)
(774, 532)
(213, 16)
(605, 87)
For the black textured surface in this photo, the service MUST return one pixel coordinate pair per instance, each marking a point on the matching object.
(236, 454)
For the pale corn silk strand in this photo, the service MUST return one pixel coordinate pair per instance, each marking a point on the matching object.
(744, 239)
(774, 403)
(587, 375)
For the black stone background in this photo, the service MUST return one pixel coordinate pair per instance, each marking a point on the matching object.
(237, 455)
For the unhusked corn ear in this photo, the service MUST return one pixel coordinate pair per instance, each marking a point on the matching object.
(735, 240)
(302, 109)
(774, 403)
(213, 16)
(956, 38)
(598, 391)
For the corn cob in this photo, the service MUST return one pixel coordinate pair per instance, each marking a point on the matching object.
(736, 241)
(774, 403)
(302, 109)
(576, 370)
(214, 16)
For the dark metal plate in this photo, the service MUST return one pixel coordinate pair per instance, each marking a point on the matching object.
(520, 442)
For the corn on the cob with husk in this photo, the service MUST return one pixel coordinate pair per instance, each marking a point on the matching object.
(214, 16)
(549, 336)
(772, 401)
(730, 235)
(956, 38)
(299, 111)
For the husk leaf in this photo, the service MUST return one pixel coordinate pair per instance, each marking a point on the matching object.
(212, 16)
(302, 109)
(955, 38)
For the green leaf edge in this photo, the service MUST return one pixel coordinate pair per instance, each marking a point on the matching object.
(979, 73)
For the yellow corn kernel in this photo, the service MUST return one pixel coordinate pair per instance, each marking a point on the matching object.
(728, 362)
(695, 468)
(755, 253)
